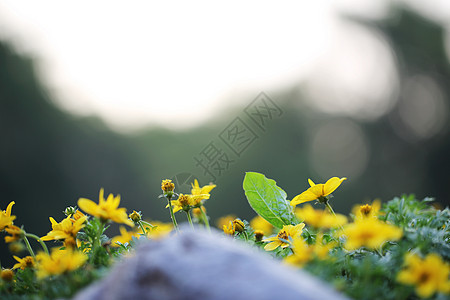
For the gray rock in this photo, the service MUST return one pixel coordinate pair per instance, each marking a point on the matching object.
(200, 265)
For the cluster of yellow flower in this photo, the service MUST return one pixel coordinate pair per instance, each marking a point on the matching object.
(187, 202)
(69, 258)
(366, 231)
(429, 275)
(330, 231)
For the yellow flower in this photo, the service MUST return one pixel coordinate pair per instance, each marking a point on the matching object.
(15, 232)
(239, 226)
(7, 275)
(225, 220)
(201, 193)
(303, 252)
(167, 185)
(16, 247)
(66, 230)
(135, 216)
(204, 190)
(124, 237)
(259, 234)
(160, 229)
(319, 218)
(185, 202)
(77, 215)
(23, 263)
(429, 275)
(106, 209)
(5, 216)
(321, 250)
(259, 223)
(367, 210)
(318, 191)
(59, 262)
(229, 228)
(283, 236)
(370, 233)
(197, 212)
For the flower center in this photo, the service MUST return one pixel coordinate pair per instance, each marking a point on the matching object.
(282, 235)
(28, 261)
(365, 209)
(167, 185)
(184, 200)
(424, 277)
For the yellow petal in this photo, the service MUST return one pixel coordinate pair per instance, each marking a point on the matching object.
(115, 201)
(176, 208)
(296, 230)
(272, 246)
(66, 224)
(88, 206)
(16, 266)
(303, 197)
(332, 184)
(101, 196)
(311, 183)
(317, 190)
(426, 290)
(284, 245)
(54, 223)
(207, 188)
(79, 223)
(123, 231)
(8, 209)
(272, 239)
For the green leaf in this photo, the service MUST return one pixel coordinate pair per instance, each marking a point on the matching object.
(268, 200)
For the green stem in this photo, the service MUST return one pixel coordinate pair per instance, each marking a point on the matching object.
(205, 217)
(189, 219)
(39, 240)
(27, 243)
(142, 228)
(330, 208)
(147, 223)
(332, 212)
(174, 221)
(379, 251)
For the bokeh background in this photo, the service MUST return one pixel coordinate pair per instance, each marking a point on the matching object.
(104, 95)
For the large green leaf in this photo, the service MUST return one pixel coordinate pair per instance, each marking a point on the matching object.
(268, 200)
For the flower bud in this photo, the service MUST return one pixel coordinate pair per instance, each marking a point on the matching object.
(70, 211)
(259, 234)
(197, 212)
(365, 210)
(7, 275)
(238, 225)
(16, 247)
(135, 216)
(167, 186)
(229, 229)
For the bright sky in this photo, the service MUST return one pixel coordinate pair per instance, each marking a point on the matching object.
(139, 62)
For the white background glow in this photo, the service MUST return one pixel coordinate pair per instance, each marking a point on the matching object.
(134, 63)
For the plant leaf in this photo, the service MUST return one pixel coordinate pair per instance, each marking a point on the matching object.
(268, 200)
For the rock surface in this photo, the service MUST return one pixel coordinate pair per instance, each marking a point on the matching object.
(200, 265)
